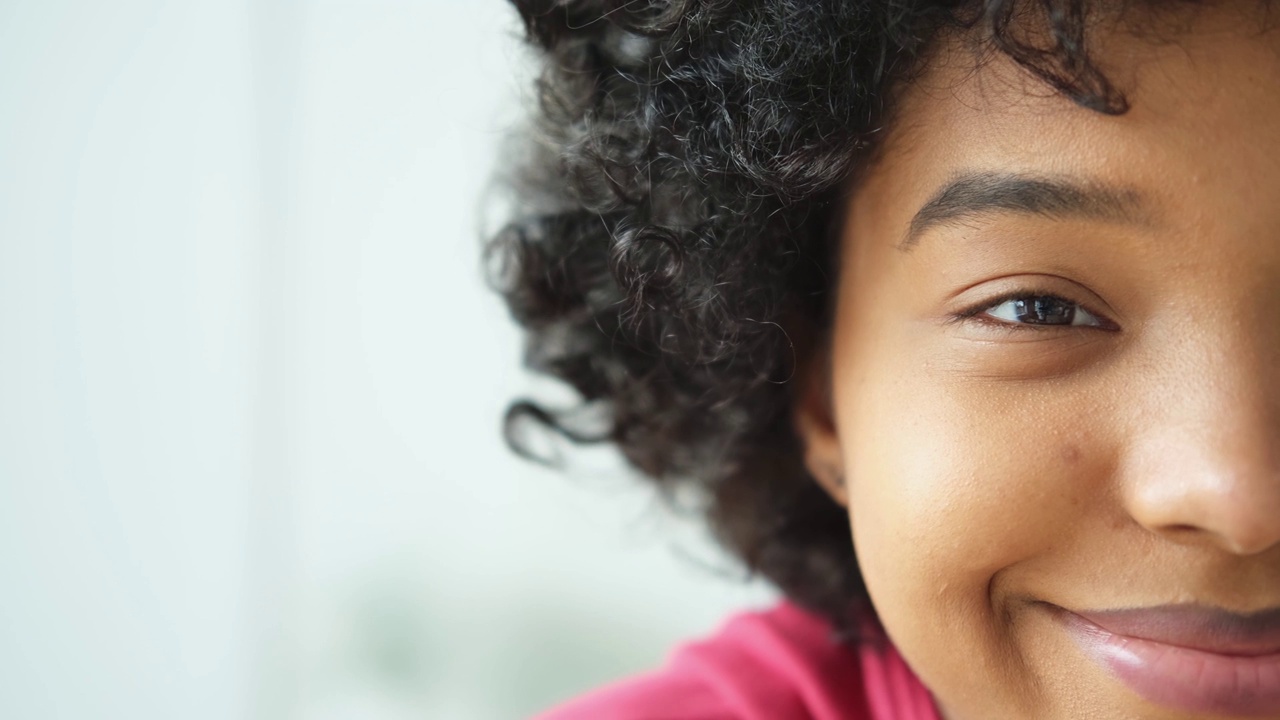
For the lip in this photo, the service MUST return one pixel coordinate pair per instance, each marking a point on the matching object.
(1189, 657)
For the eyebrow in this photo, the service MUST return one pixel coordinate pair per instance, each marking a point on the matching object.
(983, 193)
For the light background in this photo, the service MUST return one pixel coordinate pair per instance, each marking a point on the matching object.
(251, 381)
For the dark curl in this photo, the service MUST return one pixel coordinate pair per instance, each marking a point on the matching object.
(670, 258)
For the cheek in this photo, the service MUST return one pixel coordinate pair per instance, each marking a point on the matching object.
(952, 482)
(954, 487)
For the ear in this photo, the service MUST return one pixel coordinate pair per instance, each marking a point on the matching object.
(814, 421)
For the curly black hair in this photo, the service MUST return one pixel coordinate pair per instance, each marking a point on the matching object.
(672, 255)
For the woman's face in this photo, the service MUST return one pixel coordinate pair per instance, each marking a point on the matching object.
(1056, 384)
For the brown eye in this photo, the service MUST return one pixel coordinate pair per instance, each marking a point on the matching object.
(1041, 310)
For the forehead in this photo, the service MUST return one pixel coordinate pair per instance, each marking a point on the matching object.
(1201, 129)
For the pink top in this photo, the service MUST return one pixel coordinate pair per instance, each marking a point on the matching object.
(779, 664)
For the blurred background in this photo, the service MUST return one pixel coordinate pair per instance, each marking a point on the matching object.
(251, 382)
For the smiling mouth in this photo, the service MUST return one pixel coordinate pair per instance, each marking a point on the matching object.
(1189, 657)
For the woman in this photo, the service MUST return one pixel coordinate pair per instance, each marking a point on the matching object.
(960, 320)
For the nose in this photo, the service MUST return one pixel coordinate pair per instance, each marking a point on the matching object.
(1206, 467)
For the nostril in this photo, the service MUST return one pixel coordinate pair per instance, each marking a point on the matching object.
(1187, 533)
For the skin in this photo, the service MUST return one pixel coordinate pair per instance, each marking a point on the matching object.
(990, 468)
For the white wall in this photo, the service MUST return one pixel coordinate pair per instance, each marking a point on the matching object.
(127, 226)
(251, 382)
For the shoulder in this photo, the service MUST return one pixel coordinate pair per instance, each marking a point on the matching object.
(778, 664)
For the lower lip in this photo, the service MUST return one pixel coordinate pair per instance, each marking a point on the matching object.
(1183, 678)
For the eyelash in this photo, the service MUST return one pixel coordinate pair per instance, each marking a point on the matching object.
(975, 313)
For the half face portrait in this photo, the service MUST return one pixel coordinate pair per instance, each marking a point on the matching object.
(959, 322)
